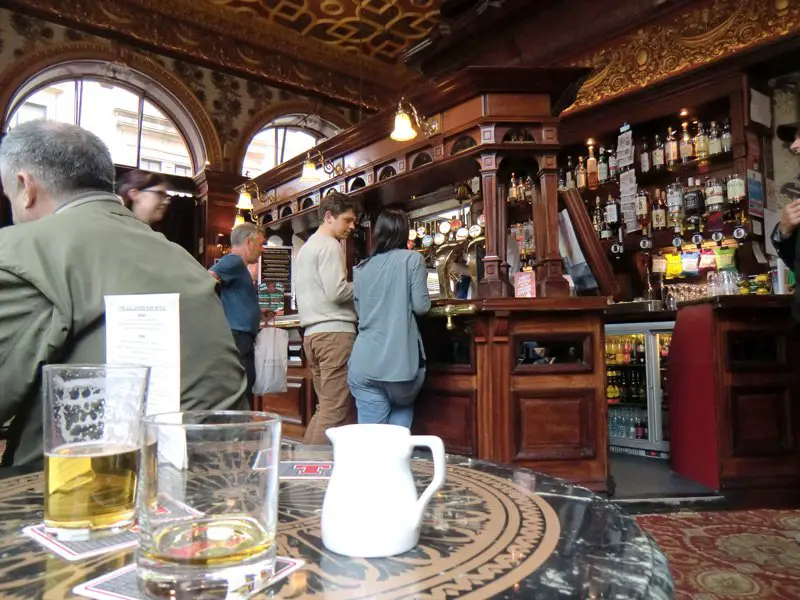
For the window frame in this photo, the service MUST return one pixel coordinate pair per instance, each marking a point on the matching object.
(132, 81)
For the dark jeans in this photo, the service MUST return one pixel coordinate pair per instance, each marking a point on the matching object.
(246, 344)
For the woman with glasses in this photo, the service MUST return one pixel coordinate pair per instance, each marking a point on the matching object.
(145, 194)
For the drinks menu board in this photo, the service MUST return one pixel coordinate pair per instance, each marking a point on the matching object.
(276, 266)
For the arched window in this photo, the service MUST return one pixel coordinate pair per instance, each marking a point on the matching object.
(131, 119)
(284, 138)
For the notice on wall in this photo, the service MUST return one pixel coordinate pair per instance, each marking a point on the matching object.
(625, 149)
(755, 194)
(276, 265)
(144, 329)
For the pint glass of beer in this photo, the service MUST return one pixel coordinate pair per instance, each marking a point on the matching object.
(208, 509)
(92, 447)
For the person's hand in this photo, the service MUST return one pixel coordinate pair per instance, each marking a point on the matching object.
(215, 275)
(790, 218)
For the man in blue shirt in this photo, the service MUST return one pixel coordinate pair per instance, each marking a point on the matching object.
(239, 295)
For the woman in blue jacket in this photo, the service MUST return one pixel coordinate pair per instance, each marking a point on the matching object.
(387, 365)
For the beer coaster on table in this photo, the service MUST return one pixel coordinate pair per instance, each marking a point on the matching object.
(79, 549)
(122, 584)
(305, 469)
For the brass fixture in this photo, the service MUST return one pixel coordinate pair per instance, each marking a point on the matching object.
(404, 130)
(309, 173)
(452, 310)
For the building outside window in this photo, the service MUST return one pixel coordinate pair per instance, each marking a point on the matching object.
(284, 138)
(136, 131)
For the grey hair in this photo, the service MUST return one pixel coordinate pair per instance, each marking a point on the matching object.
(64, 159)
(242, 233)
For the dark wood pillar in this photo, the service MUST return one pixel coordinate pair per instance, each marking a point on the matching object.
(217, 211)
(493, 283)
(549, 269)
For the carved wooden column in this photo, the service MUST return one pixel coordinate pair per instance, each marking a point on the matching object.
(549, 269)
(493, 284)
(217, 207)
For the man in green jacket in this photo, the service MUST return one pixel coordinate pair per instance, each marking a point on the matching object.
(73, 243)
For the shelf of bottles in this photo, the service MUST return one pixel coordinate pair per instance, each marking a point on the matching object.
(675, 196)
(638, 417)
(522, 194)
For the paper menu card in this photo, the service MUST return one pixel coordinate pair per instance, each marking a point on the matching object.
(144, 329)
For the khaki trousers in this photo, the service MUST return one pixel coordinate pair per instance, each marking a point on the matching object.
(327, 355)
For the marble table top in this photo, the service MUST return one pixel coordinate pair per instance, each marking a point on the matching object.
(491, 532)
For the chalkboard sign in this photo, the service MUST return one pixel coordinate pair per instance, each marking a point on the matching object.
(276, 265)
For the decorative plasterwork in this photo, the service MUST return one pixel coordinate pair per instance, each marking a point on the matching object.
(34, 62)
(382, 29)
(691, 38)
(226, 40)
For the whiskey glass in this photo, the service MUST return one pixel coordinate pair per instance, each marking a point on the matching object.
(208, 505)
(92, 438)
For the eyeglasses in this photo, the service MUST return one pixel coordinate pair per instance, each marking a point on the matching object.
(160, 193)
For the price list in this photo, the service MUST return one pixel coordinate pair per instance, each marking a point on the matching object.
(276, 265)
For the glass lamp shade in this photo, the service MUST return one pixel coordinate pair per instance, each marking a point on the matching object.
(245, 201)
(403, 130)
(309, 174)
(239, 220)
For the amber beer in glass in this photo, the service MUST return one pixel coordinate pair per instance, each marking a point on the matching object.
(92, 440)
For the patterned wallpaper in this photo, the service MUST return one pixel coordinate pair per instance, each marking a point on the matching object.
(231, 101)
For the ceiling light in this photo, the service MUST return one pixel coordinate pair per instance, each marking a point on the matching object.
(239, 220)
(309, 173)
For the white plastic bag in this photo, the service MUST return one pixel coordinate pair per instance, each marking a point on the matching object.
(272, 360)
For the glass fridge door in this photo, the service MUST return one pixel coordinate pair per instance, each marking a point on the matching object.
(661, 344)
(627, 389)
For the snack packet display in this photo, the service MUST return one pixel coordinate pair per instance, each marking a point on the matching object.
(674, 265)
(690, 262)
(725, 259)
(707, 260)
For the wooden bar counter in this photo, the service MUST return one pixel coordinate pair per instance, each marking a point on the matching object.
(733, 373)
(489, 394)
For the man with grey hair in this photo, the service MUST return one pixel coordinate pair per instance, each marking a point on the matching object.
(72, 244)
(239, 295)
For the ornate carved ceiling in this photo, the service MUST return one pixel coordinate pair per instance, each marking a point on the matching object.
(382, 29)
(346, 50)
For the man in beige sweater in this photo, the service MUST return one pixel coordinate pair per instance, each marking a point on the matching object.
(325, 305)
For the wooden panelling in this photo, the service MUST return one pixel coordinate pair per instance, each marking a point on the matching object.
(500, 106)
(450, 414)
(554, 424)
(761, 418)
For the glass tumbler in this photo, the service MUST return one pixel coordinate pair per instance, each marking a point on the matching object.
(208, 505)
(92, 440)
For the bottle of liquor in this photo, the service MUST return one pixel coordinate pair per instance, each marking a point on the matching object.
(612, 214)
(644, 157)
(643, 210)
(597, 217)
(675, 205)
(715, 196)
(606, 233)
(727, 138)
(562, 179)
(714, 141)
(658, 154)
(736, 195)
(693, 206)
(687, 148)
(580, 174)
(701, 142)
(602, 166)
(570, 174)
(659, 212)
(591, 170)
(672, 148)
(640, 349)
(613, 167)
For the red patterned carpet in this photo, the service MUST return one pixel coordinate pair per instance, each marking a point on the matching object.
(730, 554)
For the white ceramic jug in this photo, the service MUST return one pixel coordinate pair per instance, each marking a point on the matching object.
(371, 507)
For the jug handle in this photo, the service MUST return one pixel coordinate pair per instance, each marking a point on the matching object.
(437, 450)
